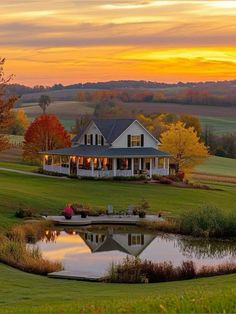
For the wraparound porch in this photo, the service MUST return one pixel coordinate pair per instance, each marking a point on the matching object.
(106, 167)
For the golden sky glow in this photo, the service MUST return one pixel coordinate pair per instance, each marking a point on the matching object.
(47, 42)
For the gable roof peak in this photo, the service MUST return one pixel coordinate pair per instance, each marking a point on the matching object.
(111, 129)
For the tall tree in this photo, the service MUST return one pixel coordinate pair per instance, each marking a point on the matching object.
(45, 133)
(6, 105)
(19, 123)
(44, 102)
(184, 145)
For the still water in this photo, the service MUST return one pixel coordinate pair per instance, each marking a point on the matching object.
(92, 249)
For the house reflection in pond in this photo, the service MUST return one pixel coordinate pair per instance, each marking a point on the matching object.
(132, 243)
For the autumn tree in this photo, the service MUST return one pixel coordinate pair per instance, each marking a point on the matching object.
(184, 145)
(6, 105)
(191, 121)
(19, 122)
(45, 133)
(44, 102)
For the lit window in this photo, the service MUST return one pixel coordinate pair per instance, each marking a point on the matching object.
(135, 140)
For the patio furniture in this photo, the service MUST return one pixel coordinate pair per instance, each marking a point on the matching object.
(110, 210)
(130, 210)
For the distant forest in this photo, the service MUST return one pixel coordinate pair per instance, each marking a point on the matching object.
(220, 93)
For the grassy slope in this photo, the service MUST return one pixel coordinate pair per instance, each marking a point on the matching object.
(26, 293)
(219, 125)
(218, 166)
(49, 195)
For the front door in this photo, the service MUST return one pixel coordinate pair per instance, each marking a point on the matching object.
(73, 166)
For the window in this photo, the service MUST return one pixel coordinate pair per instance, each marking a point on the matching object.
(88, 139)
(160, 162)
(48, 160)
(135, 239)
(135, 140)
(99, 137)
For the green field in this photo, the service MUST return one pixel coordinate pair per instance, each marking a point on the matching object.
(49, 195)
(219, 125)
(209, 115)
(23, 293)
(218, 166)
(27, 293)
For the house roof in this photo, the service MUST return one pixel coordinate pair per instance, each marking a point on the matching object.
(111, 129)
(110, 245)
(107, 151)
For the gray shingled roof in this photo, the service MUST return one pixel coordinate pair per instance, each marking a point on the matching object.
(111, 129)
(106, 151)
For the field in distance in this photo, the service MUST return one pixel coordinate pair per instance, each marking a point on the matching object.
(220, 120)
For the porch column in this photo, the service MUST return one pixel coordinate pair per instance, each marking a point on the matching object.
(44, 161)
(164, 166)
(77, 166)
(60, 163)
(92, 166)
(114, 166)
(168, 166)
(52, 163)
(99, 163)
(69, 165)
(140, 164)
(132, 167)
(150, 172)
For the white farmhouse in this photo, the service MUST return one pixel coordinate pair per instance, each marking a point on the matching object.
(110, 148)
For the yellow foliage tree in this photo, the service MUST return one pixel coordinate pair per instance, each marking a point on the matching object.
(19, 123)
(184, 145)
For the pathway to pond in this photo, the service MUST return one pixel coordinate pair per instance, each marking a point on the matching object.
(31, 173)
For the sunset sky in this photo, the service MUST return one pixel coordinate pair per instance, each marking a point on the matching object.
(70, 41)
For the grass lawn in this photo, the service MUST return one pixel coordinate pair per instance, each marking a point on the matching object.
(49, 195)
(26, 293)
(218, 166)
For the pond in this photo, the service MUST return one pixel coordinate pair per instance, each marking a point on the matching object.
(92, 249)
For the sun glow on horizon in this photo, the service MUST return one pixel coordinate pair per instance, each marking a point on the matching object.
(124, 39)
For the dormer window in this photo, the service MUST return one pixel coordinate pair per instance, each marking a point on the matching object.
(88, 139)
(135, 140)
(99, 140)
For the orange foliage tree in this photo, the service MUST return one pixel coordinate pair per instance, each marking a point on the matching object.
(6, 105)
(45, 133)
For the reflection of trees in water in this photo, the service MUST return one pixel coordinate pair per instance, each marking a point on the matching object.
(206, 249)
(50, 236)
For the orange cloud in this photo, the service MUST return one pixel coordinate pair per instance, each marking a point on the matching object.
(124, 39)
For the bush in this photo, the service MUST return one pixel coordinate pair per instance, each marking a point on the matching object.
(28, 232)
(17, 254)
(208, 221)
(24, 213)
(165, 180)
(133, 270)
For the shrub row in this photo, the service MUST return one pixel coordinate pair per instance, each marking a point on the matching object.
(206, 221)
(133, 270)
